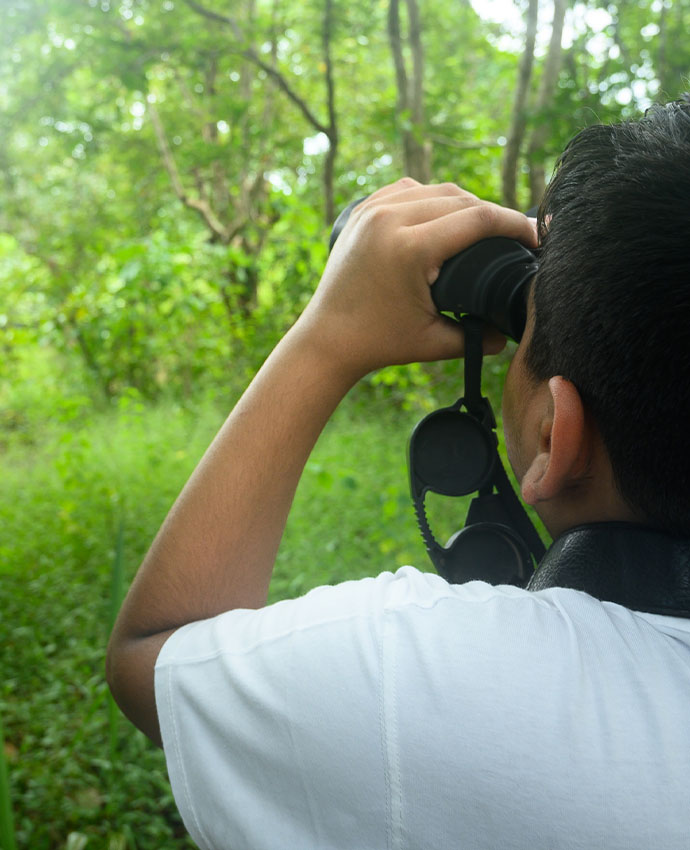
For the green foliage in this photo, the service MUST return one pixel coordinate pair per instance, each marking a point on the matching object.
(82, 504)
(65, 782)
(162, 215)
(7, 841)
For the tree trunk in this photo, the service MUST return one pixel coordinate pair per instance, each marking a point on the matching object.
(662, 69)
(416, 150)
(519, 118)
(547, 91)
(88, 356)
(332, 134)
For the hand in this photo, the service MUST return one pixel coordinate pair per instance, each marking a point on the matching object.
(373, 306)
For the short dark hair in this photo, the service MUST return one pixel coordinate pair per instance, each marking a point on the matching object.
(612, 300)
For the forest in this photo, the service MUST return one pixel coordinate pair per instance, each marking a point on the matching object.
(169, 174)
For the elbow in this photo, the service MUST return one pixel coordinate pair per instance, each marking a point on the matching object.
(111, 666)
(129, 672)
(115, 674)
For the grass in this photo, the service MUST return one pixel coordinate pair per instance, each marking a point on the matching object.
(78, 507)
(82, 495)
(6, 817)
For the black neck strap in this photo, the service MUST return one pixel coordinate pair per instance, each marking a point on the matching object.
(479, 407)
(454, 452)
(634, 566)
(476, 404)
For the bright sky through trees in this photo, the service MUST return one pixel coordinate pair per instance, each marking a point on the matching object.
(579, 19)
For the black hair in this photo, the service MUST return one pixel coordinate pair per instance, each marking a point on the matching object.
(612, 300)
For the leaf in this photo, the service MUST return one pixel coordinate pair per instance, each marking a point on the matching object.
(325, 479)
(88, 798)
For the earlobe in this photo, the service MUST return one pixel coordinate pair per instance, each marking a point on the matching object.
(563, 448)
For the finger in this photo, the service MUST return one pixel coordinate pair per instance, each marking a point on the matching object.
(406, 189)
(446, 236)
(445, 342)
(417, 210)
(404, 184)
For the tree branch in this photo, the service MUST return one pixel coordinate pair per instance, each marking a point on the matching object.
(270, 71)
(199, 204)
(417, 152)
(417, 62)
(328, 61)
(464, 146)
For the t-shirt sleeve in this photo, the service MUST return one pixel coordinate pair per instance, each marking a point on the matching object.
(271, 720)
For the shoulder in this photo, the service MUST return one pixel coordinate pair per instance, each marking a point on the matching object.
(407, 594)
(405, 621)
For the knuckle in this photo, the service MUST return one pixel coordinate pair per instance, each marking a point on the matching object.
(376, 216)
(416, 242)
(488, 215)
(449, 188)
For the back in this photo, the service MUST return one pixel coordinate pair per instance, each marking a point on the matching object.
(404, 712)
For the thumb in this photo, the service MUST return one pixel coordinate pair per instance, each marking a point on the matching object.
(447, 340)
(493, 340)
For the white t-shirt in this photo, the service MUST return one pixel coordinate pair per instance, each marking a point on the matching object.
(404, 713)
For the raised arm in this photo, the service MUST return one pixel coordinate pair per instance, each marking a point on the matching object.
(216, 549)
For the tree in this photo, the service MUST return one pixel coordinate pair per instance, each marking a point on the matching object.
(672, 55)
(518, 122)
(544, 105)
(329, 128)
(410, 109)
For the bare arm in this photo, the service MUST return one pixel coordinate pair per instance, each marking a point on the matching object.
(217, 546)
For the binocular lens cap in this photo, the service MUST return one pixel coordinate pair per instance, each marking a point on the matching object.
(451, 453)
(487, 552)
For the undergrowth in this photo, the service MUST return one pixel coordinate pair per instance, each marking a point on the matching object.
(81, 498)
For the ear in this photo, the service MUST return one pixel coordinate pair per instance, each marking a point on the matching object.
(563, 445)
